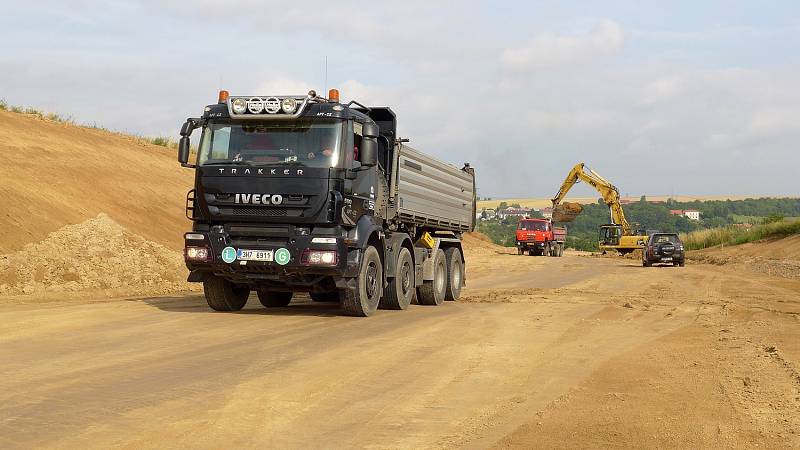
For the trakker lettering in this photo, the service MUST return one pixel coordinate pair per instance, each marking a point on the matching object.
(258, 199)
(249, 171)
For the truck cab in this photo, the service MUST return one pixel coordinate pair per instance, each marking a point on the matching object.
(539, 237)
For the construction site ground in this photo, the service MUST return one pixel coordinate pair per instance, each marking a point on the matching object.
(578, 351)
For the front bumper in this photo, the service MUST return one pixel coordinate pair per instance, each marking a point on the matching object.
(530, 244)
(289, 271)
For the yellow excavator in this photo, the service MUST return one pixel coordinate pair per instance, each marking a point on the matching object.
(617, 235)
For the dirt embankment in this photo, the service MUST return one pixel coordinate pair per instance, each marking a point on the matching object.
(776, 257)
(88, 211)
(61, 174)
(98, 256)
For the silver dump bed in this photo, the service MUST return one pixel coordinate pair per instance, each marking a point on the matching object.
(433, 193)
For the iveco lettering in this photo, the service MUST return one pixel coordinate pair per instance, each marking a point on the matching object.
(301, 193)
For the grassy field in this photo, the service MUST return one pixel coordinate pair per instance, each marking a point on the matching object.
(733, 235)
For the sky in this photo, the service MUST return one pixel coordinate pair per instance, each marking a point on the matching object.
(679, 97)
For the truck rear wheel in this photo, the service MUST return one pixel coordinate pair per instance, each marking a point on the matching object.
(400, 290)
(271, 299)
(324, 296)
(432, 292)
(222, 295)
(364, 298)
(561, 249)
(455, 273)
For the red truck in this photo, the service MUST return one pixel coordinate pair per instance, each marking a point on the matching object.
(540, 237)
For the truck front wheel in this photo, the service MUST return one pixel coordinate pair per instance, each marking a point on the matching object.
(274, 299)
(364, 298)
(222, 295)
(400, 290)
(455, 273)
(432, 292)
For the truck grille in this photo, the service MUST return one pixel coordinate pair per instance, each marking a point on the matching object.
(253, 211)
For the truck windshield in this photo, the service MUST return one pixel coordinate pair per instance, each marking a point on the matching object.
(299, 142)
(532, 226)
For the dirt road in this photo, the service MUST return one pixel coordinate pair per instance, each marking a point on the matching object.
(543, 352)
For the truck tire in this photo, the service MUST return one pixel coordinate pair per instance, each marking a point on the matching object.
(324, 296)
(400, 291)
(271, 299)
(519, 250)
(560, 250)
(363, 300)
(432, 292)
(455, 273)
(531, 252)
(222, 295)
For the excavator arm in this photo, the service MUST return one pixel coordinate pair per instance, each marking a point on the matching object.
(608, 192)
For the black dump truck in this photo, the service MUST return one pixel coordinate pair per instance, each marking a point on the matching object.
(301, 193)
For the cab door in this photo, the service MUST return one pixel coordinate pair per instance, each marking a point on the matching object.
(361, 184)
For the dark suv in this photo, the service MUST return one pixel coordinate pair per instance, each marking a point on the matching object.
(663, 248)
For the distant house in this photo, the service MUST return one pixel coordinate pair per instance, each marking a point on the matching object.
(691, 214)
(625, 201)
(513, 212)
(489, 214)
(547, 213)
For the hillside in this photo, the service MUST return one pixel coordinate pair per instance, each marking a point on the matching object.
(776, 256)
(540, 203)
(59, 174)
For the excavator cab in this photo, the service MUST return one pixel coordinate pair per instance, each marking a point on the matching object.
(610, 234)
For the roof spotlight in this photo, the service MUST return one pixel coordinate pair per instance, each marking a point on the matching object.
(272, 105)
(289, 105)
(255, 105)
(239, 105)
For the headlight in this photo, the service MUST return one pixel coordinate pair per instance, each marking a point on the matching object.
(320, 257)
(239, 105)
(289, 105)
(272, 105)
(197, 253)
(255, 105)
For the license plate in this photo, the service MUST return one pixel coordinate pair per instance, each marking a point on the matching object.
(254, 255)
(666, 259)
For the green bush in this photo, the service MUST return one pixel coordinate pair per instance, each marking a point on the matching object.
(733, 235)
(161, 141)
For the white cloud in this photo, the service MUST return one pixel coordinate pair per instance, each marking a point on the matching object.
(551, 50)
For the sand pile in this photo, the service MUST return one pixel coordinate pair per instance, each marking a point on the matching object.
(478, 244)
(97, 255)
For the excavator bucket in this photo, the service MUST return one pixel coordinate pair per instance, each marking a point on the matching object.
(566, 212)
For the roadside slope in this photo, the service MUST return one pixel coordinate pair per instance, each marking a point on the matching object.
(61, 174)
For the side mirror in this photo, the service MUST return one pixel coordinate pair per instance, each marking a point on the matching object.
(370, 130)
(368, 153)
(188, 127)
(183, 151)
